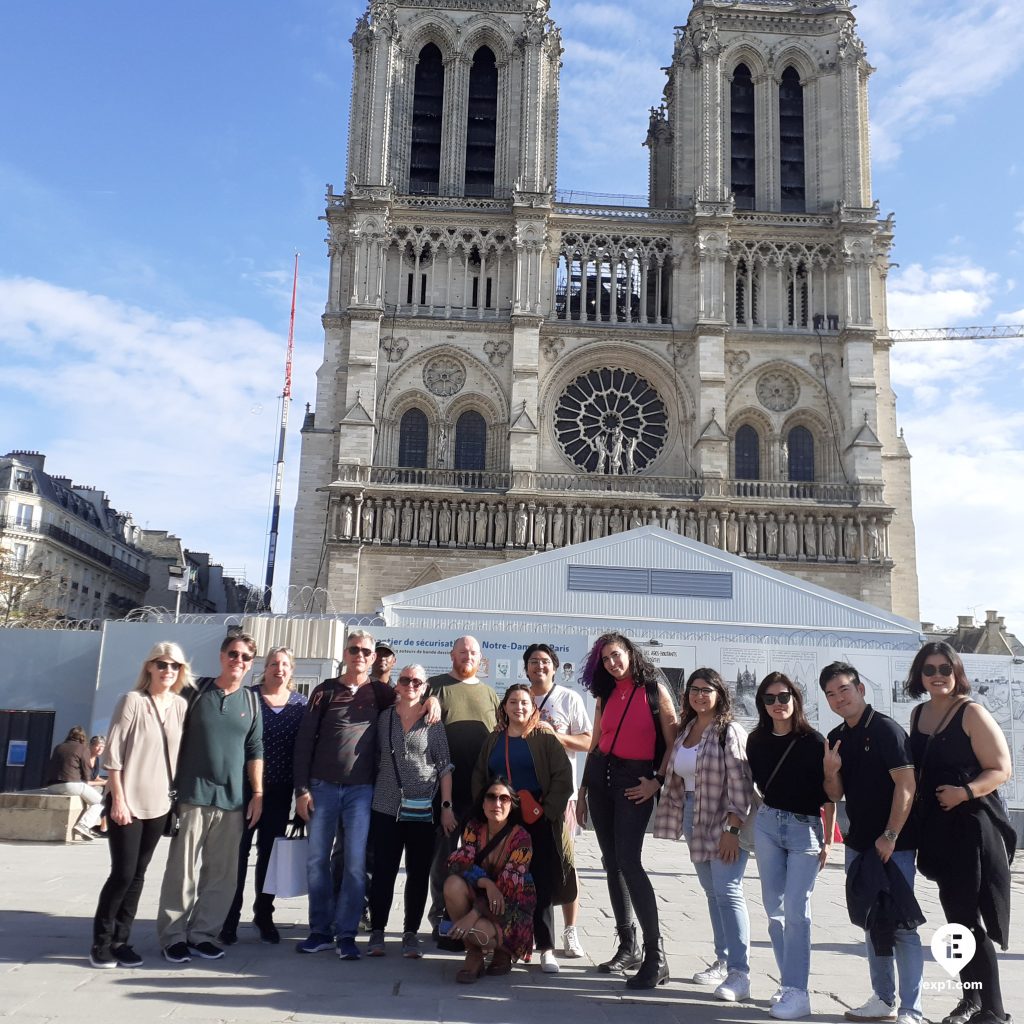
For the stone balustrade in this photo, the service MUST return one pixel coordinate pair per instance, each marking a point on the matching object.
(776, 534)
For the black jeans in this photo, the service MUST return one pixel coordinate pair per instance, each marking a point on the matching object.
(131, 849)
(960, 905)
(277, 807)
(388, 838)
(444, 846)
(620, 826)
(546, 868)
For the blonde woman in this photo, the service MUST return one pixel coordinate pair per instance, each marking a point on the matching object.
(142, 750)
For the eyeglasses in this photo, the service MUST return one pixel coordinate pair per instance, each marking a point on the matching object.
(410, 681)
(497, 798)
(235, 655)
(943, 670)
(364, 651)
(702, 691)
(783, 698)
(541, 661)
(165, 666)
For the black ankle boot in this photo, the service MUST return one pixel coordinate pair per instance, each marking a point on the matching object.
(627, 956)
(654, 969)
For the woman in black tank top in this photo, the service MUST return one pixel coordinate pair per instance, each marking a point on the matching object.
(965, 841)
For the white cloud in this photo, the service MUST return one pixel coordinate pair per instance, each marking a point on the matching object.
(940, 296)
(176, 419)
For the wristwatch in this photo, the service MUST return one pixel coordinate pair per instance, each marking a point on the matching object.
(733, 830)
(659, 777)
(446, 805)
(890, 835)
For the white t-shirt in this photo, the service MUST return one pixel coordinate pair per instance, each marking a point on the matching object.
(566, 713)
(685, 766)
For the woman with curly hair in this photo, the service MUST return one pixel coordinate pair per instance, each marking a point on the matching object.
(708, 792)
(965, 841)
(634, 723)
(489, 894)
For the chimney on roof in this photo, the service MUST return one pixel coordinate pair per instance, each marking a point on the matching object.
(34, 459)
(965, 622)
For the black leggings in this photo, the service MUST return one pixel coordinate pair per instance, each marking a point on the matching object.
(131, 849)
(620, 825)
(388, 838)
(960, 905)
(545, 866)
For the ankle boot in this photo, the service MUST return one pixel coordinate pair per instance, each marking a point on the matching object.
(653, 971)
(627, 956)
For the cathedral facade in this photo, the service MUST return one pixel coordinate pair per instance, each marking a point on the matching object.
(507, 370)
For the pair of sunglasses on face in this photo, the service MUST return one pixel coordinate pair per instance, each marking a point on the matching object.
(943, 670)
(783, 698)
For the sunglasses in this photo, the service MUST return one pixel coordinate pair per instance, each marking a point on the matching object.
(410, 681)
(364, 651)
(165, 666)
(783, 698)
(702, 691)
(943, 670)
(235, 655)
(497, 798)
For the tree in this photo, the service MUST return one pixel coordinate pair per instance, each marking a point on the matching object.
(29, 593)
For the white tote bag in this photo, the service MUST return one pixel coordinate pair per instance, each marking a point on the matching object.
(286, 872)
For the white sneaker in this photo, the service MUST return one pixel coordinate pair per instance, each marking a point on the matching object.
(548, 963)
(571, 946)
(794, 1004)
(715, 974)
(912, 1018)
(874, 1009)
(777, 995)
(735, 988)
(83, 833)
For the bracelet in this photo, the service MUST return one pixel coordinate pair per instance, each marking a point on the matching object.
(257, 792)
(970, 792)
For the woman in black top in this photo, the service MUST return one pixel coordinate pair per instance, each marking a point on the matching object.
(785, 756)
(965, 841)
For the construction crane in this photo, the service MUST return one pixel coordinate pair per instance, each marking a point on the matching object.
(958, 333)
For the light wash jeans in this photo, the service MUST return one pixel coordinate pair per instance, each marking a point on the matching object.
(93, 797)
(723, 886)
(787, 847)
(351, 806)
(908, 958)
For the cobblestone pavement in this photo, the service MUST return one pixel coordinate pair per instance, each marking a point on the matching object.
(48, 895)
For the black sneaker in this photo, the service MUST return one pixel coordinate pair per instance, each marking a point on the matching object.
(178, 953)
(207, 950)
(100, 956)
(227, 936)
(126, 956)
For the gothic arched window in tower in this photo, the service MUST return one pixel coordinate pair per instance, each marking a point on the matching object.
(611, 421)
(748, 454)
(412, 440)
(797, 294)
(471, 441)
(427, 109)
(482, 124)
(741, 138)
(791, 141)
(800, 445)
(748, 293)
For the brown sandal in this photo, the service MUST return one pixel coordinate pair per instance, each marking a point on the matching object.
(501, 963)
(472, 967)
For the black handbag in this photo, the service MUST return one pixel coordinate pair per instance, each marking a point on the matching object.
(172, 823)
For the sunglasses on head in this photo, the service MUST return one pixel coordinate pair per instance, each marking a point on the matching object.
(497, 798)
(235, 655)
(364, 651)
(165, 666)
(783, 698)
(409, 681)
(943, 670)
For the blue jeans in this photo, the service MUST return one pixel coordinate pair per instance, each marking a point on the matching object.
(908, 958)
(787, 847)
(351, 806)
(723, 886)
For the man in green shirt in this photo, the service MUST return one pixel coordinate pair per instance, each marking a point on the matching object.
(222, 740)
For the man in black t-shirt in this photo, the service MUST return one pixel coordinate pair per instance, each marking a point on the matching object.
(868, 761)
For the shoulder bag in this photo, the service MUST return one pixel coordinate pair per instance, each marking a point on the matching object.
(172, 823)
(529, 806)
(411, 808)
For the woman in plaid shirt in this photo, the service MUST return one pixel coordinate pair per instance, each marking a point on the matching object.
(706, 799)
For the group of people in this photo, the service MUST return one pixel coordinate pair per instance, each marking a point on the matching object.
(479, 795)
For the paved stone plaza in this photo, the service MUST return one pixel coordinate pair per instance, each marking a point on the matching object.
(49, 893)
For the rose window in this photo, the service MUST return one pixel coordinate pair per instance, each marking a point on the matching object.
(611, 421)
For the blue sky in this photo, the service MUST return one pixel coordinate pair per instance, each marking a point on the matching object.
(160, 165)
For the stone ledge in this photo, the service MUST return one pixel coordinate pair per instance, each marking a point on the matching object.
(39, 817)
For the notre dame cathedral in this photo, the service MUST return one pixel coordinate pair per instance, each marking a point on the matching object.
(507, 371)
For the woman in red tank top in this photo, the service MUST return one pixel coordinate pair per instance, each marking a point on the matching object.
(634, 724)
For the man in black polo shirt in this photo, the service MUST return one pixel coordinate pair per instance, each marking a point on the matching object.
(868, 761)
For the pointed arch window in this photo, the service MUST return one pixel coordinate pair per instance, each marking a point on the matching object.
(427, 110)
(412, 439)
(482, 124)
(470, 441)
(791, 141)
(800, 445)
(741, 137)
(748, 454)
